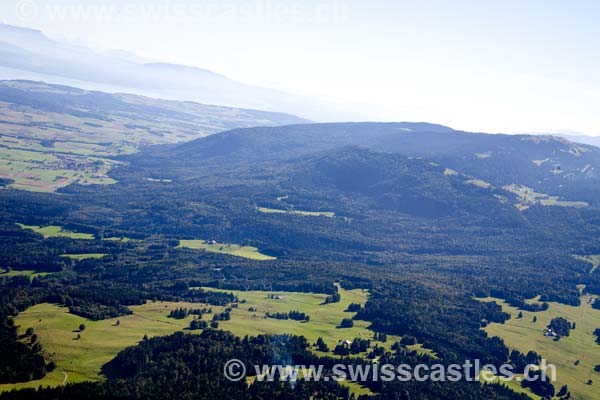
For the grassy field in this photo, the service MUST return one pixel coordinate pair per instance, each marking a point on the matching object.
(525, 335)
(30, 273)
(594, 260)
(479, 183)
(57, 231)
(81, 359)
(357, 388)
(158, 180)
(515, 386)
(45, 171)
(43, 150)
(324, 318)
(99, 343)
(327, 214)
(118, 239)
(79, 257)
(222, 248)
(528, 197)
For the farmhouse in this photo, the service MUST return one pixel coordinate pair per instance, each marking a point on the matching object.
(549, 332)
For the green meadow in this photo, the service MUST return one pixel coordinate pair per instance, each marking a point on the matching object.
(57, 231)
(118, 239)
(324, 318)
(222, 248)
(574, 356)
(29, 273)
(80, 359)
(528, 197)
(327, 214)
(78, 257)
(594, 260)
(514, 385)
(41, 170)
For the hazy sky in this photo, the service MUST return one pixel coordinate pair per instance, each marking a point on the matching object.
(511, 66)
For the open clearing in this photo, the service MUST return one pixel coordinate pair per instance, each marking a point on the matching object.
(528, 197)
(594, 260)
(29, 273)
(524, 335)
(327, 214)
(223, 248)
(81, 359)
(79, 257)
(324, 318)
(57, 231)
(118, 239)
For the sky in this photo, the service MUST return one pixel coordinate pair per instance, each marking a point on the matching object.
(487, 65)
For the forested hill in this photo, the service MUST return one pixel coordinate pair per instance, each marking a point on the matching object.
(548, 165)
(395, 182)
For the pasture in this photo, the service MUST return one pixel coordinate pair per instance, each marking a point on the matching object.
(78, 257)
(528, 197)
(249, 252)
(575, 356)
(327, 214)
(57, 231)
(29, 273)
(80, 359)
(594, 260)
(46, 170)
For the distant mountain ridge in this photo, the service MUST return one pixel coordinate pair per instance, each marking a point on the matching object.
(591, 140)
(549, 165)
(28, 54)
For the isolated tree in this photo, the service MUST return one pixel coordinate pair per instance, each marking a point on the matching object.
(51, 366)
(563, 391)
(82, 327)
(409, 340)
(321, 345)
(346, 323)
